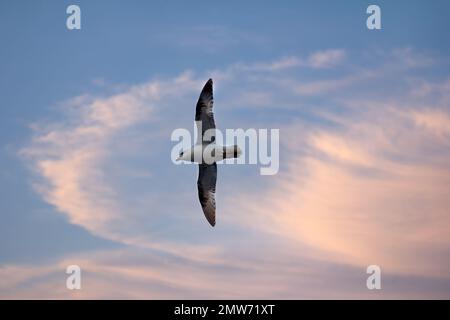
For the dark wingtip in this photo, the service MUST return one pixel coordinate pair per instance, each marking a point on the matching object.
(212, 221)
(208, 86)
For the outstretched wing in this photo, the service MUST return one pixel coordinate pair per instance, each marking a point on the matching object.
(206, 184)
(204, 114)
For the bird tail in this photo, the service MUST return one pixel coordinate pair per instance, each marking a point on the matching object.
(231, 152)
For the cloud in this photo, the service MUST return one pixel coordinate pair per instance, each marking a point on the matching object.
(436, 121)
(71, 157)
(321, 87)
(372, 190)
(363, 182)
(283, 63)
(326, 58)
(147, 274)
(316, 60)
(411, 58)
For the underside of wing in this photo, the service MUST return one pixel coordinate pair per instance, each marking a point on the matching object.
(204, 115)
(206, 184)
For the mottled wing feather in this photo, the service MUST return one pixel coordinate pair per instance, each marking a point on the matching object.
(204, 112)
(206, 184)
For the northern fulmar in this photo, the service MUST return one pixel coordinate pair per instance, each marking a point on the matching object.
(206, 152)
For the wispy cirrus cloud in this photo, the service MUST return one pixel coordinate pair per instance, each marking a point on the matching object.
(326, 58)
(71, 157)
(364, 184)
(316, 60)
(147, 274)
(371, 189)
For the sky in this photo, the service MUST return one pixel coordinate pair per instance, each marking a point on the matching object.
(86, 177)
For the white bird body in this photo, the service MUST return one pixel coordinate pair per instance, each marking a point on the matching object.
(209, 153)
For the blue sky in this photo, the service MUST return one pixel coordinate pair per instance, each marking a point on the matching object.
(86, 176)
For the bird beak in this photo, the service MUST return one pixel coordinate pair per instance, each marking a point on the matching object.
(178, 159)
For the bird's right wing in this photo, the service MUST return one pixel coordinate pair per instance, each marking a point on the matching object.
(204, 114)
(206, 184)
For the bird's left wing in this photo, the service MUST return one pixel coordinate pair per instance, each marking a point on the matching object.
(206, 184)
(204, 115)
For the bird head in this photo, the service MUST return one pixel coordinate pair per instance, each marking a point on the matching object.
(182, 156)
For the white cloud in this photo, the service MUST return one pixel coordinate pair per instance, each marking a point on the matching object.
(365, 188)
(326, 58)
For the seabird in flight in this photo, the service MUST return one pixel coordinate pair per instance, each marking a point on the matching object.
(206, 152)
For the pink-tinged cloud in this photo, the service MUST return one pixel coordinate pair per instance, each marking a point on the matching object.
(70, 158)
(372, 191)
(369, 188)
(130, 273)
